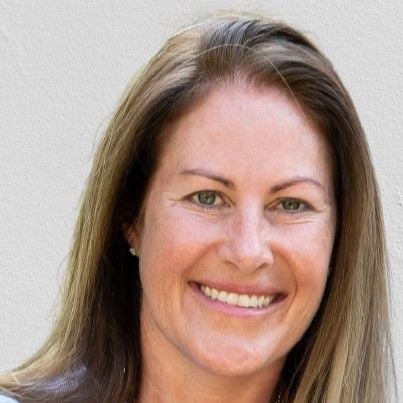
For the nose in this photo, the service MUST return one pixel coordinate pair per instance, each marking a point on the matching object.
(248, 244)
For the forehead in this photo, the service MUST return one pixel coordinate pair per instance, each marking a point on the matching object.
(236, 128)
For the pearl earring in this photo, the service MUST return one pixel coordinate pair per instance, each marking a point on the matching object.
(133, 251)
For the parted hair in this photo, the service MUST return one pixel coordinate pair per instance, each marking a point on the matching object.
(93, 353)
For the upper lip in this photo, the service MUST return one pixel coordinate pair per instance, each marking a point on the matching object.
(250, 289)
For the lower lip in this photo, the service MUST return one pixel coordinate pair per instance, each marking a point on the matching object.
(233, 309)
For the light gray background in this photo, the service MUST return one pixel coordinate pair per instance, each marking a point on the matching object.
(63, 67)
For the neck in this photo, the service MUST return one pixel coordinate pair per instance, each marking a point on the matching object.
(169, 376)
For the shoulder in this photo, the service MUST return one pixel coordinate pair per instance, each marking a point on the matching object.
(6, 399)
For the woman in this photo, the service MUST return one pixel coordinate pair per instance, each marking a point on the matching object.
(230, 240)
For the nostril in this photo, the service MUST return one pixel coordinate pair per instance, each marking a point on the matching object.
(250, 257)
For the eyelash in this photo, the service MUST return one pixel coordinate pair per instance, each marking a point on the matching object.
(304, 206)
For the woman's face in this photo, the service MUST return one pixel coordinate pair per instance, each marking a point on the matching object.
(237, 233)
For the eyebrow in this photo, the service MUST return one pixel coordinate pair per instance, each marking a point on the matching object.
(210, 175)
(231, 185)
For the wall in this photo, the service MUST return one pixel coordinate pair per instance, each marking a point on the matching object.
(64, 65)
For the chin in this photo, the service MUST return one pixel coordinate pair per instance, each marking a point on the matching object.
(233, 360)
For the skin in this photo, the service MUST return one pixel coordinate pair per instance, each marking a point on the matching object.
(270, 227)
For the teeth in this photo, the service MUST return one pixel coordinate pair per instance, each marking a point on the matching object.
(260, 301)
(214, 293)
(267, 300)
(222, 296)
(232, 298)
(243, 300)
(253, 301)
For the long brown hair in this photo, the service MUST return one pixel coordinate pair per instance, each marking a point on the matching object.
(93, 353)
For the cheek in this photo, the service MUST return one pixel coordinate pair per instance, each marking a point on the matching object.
(172, 242)
(311, 241)
(306, 250)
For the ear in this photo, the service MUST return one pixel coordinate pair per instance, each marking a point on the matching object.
(131, 234)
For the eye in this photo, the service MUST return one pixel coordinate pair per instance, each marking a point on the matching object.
(206, 198)
(292, 205)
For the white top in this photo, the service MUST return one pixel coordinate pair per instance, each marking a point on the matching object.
(6, 399)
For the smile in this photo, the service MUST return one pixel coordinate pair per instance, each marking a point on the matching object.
(241, 300)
